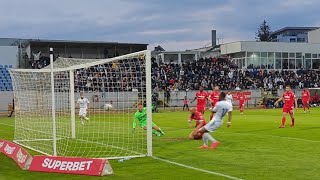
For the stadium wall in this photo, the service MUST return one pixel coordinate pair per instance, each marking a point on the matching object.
(9, 55)
(123, 100)
(5, 98)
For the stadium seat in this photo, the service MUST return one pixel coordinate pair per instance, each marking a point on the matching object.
(1, 66)
(5, 66)
(10, 66)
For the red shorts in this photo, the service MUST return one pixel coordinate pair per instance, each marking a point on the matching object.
(201, 109)
(305, 102)
(287, 110)
(241, 106)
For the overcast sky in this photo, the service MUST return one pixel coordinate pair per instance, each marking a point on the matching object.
(173, 24)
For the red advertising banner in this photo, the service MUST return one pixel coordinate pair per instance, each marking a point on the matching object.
(15, 152)
(71, 165)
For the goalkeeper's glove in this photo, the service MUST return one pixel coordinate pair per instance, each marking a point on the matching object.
(133, 130)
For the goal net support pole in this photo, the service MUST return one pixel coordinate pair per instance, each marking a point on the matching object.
(149, 103)
(72, 105)
(53, 109)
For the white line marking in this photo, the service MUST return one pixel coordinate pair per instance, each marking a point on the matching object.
(7, 124)
(197, 169)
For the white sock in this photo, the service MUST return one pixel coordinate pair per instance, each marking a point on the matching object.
(206, 137)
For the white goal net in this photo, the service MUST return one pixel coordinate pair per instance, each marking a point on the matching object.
(113, 87)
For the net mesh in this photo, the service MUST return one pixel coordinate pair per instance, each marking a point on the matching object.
(113, 88)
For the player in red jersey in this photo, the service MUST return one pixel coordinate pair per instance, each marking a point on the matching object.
(201, 98)
(289, 102)
(242, 98)
(305, 99)
(200, 121)
(214, 98)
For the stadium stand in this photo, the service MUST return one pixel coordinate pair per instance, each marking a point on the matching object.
(209, 72)
(5, 79)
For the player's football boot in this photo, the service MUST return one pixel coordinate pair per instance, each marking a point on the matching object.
(214, 145)
(203, 147)
(292, 125)
(162, 132)
(281, 126)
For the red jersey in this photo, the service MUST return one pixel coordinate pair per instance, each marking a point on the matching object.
(289, 99)
(201, 98)
(214, 96)
(198, 117)
(305, 95)
(241, 97)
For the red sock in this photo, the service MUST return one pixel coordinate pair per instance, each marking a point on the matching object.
(283, 121)
(292, 121)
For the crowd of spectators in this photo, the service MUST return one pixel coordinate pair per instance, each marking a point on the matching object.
(128, 74)
(208, 72)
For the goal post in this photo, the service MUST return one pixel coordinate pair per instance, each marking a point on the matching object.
(47, 118)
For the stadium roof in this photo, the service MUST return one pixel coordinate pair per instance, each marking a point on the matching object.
(44, 41)
(10, 41)
(293, 28)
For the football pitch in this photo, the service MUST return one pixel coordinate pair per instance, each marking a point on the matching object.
(252, 148)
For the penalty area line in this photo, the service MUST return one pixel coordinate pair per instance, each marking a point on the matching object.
(196, 169)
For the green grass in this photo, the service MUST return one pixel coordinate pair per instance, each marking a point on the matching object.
(253, 148)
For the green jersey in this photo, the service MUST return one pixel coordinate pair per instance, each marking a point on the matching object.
(141, 117)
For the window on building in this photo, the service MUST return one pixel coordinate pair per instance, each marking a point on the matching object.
(284, 55)
(292, 40)
(308, 55)
(298, 55)
(315, 63)
(301, 39)
(299, 63)
(270, 60)
(292, 64)
(285, 63)
(314, 55)
(292, 55)
(308, 63)
(278, 64)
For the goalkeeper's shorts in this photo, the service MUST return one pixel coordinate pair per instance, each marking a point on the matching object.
(143, 125)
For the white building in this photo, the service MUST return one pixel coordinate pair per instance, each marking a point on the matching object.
(273, 55)
(314, 36)
(177, 57)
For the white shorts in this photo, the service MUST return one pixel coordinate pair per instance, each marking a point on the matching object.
(83, 112)
(213, 125)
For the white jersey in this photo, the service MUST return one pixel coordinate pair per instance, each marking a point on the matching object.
(83, 103)
(221, 109)
(229, 98)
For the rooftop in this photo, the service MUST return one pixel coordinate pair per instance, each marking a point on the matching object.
(293, 28)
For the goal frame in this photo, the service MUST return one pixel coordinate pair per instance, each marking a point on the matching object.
(95, 62)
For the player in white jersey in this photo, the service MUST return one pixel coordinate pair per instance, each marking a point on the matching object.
(83, 105)
(229, 99)
(220, 110)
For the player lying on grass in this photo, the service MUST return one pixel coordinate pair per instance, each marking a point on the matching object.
(289, 102)
(220, 110)
(83, 104)
(141, 116)
(200, 121)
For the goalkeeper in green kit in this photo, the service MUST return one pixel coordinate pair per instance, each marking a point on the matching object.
(141, 116)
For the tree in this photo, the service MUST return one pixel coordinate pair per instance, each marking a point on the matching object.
(264, 32)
